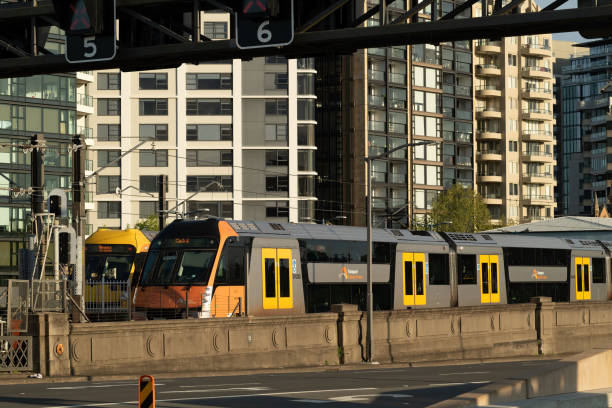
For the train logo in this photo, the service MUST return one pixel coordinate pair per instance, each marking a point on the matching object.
(538, 275)
(350, 274)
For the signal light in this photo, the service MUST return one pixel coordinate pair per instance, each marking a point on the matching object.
(261, 8)
(79, 17)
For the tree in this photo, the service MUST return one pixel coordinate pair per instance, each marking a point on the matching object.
(150, 223)
(460, 209)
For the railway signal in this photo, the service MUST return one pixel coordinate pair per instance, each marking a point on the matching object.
(264, 23)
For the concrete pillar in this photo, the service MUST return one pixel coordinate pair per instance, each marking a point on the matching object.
(50, 344)
(349, 333)
(544, 322)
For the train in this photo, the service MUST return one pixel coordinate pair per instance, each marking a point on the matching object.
(221, 268)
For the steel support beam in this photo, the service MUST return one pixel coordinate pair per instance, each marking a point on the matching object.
(321, 16)
(4, 44)
(509, 7)
(459, 9)
(554, 5)
(364, 17)
(406, 15)
(331, 41)
(153, 24)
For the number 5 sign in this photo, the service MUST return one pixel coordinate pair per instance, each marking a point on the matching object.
(257, 31)
(99, 47)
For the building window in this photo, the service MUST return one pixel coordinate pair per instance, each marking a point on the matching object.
(277, 183)
(105, 157)
(153, 158)
(209, 158)
(215, 30)
(426, 175)
(276, 59)
(209, 81)
(512, 60)
(513, 146)
(109, 106)
(109, 133)
(109, 81)
(153, 132)
(153, 107)
(148, 208)
(148, 184)
(109, 209)
(276, 80)
(277, 157)
(151, 81)
(276, 106)
(205, 133)
(208, 183)
(199, 209)
(209, 106)
(306, 109)
(276, 132)
(275, 209)
(108, 184)
(306, 84)
(513, 189)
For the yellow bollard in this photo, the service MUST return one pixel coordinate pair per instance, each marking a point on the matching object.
(146, 394)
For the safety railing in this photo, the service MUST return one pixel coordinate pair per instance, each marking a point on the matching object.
(107, 300)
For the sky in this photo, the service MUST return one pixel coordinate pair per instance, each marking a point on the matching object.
(571, 36)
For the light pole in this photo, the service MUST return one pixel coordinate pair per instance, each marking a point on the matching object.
(369, 296)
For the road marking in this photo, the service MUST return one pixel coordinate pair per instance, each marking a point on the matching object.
(468, 372)
(364, 397)
(217, 385)
(84, 387)
(215, 390)
(445, 384)
(480, 382)
(312, 401)
(266, 394)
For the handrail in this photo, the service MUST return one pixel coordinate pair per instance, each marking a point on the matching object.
(238, 306)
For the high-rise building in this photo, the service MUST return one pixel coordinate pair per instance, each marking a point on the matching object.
(380, 98)
(234, 139)
(584, 165)
(514, 125)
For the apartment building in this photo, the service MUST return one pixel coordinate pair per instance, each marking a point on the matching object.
(234, 139)
(514, 125)
(584, 169)
(381, 98)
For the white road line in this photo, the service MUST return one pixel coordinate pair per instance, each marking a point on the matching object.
(480, 382)
(312, 401)
(468, 372)
(109, 404)
(445, 384)
(84, 387)
(217, 385)
(216, 390)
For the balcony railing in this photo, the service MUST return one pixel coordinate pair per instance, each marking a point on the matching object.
(537, 132)
(538, 111)
(376, 75)
(376, 126)
(492, 196)
(85, 100)
(463, 160)
(537, 197)
(87, 132)
(487, 66)
(482, 42)
(536, 174)
(537, 153)
(489, 151)
(600, 151)
(463, 137)
(376, 100)
(397, 78)
(535, 89)
(488, 88)
(537, 68)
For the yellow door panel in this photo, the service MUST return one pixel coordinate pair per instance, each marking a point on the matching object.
(419, 280)
(578, 270)
(408, 281)
(284, 279)
(586, 278)
(269, 278)
(485, 293)
(494, 272)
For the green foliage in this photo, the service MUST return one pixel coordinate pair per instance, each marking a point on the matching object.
(460, 209)
(150, 223)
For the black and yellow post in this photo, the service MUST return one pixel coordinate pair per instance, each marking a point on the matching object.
(146, 393)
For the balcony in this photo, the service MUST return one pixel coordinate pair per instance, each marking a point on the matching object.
(490, 155)
(376, 75)
(538, 178)
(491, 177)
(536, 50)
(463, 161)
(537, 93)
(533, 199)
(397, 78)
(537, 72)
(488, 135)
(597, 136)
(594, 103)
(537, 114)
(84, 77)
(376, 126)
(462, 137)
(488, 91)
(488, 113)
(488, 70)
(492, 199)
(84, 104)
(488, 47)
(537, 156)
(87, 134)
(89, 203)
(537, 135)
(376, 100)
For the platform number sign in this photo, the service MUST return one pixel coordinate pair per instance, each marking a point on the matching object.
(264, 23)
(91, 30)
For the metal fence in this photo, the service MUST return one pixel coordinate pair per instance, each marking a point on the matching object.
(108, 300)
(15, 353)
(49, 296)
(15, 350)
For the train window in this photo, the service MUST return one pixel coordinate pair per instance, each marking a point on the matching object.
(420, 278)
(231, 267)
(494, 277)
(586, 278)
(284, 277)
(438, 269)
(579, 277)
(381, 252)
(337, 251)
(147, 270)
(408, 278)
(195, 267)
(466, 269)
(484, 268)
(599, 270)
(270, 278)
(536, 257)
(166, 266)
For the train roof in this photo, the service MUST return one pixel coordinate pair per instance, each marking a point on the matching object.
(331, 232)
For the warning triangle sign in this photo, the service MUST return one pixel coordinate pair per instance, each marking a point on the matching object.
(80, 17)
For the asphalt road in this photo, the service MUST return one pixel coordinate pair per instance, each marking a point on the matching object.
(380, 387)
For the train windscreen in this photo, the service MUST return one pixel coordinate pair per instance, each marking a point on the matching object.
(108, 267)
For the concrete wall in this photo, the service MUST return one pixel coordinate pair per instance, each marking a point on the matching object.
(496, 331)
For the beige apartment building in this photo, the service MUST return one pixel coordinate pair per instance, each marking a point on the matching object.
(234, 139)
(514, 126)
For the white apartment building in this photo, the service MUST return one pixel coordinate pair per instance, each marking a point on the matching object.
(514, 125)
(234, 138)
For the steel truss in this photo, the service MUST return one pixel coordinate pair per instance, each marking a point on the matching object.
(321, 28)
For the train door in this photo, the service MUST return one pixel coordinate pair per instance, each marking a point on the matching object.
(277, 278)
(583, 278)
(413, 268)
(489, 278)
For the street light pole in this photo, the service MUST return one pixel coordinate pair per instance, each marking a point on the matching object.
(369, 294)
